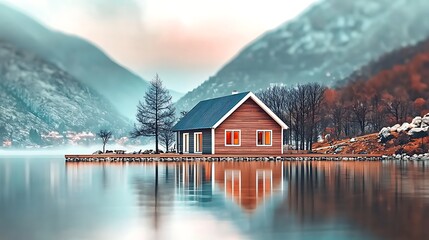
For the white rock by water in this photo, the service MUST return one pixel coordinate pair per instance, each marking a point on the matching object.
(425, 120)
(384, 134)
(404, 127)
(417, 121)
(417, 131)
(395, 127)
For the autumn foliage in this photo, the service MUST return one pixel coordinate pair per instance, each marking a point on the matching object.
(391, 90)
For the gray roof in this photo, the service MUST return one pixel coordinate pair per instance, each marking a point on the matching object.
(207, 113)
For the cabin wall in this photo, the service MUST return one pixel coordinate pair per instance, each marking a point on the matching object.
(248, 118)
(207, 140)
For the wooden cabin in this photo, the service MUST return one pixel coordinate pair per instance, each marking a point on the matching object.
(235, 124)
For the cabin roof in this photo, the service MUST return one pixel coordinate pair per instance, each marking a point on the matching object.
(211, 113)
(207, 113)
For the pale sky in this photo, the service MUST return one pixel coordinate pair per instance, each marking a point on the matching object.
(185, 41)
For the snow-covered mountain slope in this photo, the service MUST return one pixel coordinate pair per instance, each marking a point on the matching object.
(325, 44)
(36, 94)
(83, 60)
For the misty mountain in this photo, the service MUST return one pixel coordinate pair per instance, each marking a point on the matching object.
(325, 44)
(402, 74)
(36, 94)
(83, 60)
(408, 57)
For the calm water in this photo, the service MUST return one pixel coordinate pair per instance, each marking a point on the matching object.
(45, 198)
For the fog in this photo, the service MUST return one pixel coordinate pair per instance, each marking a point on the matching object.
(56, 151)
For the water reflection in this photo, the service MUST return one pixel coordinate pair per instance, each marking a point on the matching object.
(388, 200)
(258, 200)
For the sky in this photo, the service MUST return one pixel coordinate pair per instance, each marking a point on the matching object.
(184, 41)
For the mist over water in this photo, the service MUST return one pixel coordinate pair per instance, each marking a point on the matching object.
(60, 151)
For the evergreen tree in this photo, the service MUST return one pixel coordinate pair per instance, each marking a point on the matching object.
(155, 113)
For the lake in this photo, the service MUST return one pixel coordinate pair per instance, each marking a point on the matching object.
(45, 198)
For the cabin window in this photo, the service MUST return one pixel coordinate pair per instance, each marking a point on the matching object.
(232, 137)
(186, 142)
(198, 142)
(264, 137)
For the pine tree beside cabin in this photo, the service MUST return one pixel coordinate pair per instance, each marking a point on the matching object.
(237, 124)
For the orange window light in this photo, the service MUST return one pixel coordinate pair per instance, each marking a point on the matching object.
(236, 138)
(260, 138)
(267, 138)
(228, 138)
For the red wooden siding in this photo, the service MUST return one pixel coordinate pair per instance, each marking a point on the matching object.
(248, 118)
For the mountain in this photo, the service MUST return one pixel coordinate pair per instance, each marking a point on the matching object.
(390, 63)
(325, 44)
(83, 60)
(38, 95)
(401, 75)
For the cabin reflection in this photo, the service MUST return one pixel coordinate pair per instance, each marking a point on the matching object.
(244, 184)
(248, 184)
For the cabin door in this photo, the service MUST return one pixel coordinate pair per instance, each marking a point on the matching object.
(186, 143)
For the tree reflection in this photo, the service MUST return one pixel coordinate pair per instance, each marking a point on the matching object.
(370, 195)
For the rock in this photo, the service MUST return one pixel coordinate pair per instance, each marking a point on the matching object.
(353, 140)
(425, 121)
(417, 121)
(395, 127)
(384, 135)
(338, 149)
(404, 127)
(418, 132)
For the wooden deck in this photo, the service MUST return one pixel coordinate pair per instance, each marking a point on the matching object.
(172, 157)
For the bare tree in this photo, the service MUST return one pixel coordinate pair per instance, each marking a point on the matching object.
(315, 94)
(154, 114)
(167, 136)
(399, 109)
(361, 111)
(105, 136)
(299, 108)
(167, 139)
(377, 113)
(276, 99)
(338, 119)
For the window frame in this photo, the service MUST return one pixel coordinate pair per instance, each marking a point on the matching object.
(183, 143)
(271, 138)
(232, 138)
(195, 142)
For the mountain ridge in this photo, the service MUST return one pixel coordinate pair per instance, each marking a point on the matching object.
(36, 94)
(324, 44)
(79, 57)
